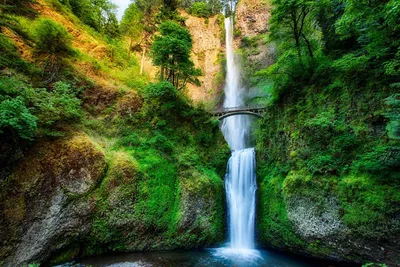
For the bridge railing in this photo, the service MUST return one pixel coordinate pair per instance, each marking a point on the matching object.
(241, 108)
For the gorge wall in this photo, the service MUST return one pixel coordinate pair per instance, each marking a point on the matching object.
(327, 189)
(139, 172)
(133, 173)
(207, 54)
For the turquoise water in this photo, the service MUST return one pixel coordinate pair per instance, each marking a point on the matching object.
(210, 257)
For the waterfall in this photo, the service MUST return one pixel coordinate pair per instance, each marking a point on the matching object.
(240, 179)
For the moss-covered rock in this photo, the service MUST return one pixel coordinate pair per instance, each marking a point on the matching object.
(200, 219)
(138, 209)
(43, 202)
(346, 219)
(129, 104)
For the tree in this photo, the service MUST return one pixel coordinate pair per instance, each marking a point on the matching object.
(54, 42)
(52, 38)
(149, 9)
(293, 17)
(204, 8)
(132, 25)
(98, 14)
(201, 9)
(171, 51)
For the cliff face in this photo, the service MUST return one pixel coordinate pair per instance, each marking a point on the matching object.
(252, 17)
(313, 208)
(208, 47)
(65, 200)
(43, 203)
(251, 31)
(131, 174)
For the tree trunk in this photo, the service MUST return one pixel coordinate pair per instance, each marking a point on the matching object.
(308, 46)
(142, 62)
(129, 49)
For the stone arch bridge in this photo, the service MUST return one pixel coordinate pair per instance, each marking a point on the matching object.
(257, 111)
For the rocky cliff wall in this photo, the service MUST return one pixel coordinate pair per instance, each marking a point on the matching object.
(207, 53)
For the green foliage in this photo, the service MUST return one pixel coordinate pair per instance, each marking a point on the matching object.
(331, 128)
(58, 105)
(336, 95)
(21, 7)
(368, 206)
(98, 14)
(275, 227)
(28, 111)
(382, 160)
(201, 9)
(163, 92)
(132, 23)
(16, 117)
(393, 127)
(147, 212)
(52, 38)
(374, 265)
(171, 51)
(292, 20)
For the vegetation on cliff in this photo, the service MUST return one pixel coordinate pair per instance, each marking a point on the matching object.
(87, 139)
(97, 157)
(330, 134)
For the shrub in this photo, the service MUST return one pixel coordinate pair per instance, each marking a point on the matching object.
(201, 9)
(57, 105)
(28, 111)
(17, 118)
(162, 90)
(52, 38)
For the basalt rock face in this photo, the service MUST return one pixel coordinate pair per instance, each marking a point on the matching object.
(207, 50)
(328, 218)
(121, 223)
(43, 202)
(252, 17)
(66, 199)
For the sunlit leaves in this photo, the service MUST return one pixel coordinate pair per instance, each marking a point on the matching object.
(171, 51)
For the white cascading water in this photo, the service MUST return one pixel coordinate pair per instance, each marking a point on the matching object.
(240, 179)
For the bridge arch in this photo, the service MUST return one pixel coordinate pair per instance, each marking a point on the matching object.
(224, 113)
(229, 114)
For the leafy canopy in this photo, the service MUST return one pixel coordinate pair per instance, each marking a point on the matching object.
(171, 51)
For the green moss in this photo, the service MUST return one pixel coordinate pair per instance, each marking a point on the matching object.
(319, 249)
(369, 206)
(274, 226)
(366, 208)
